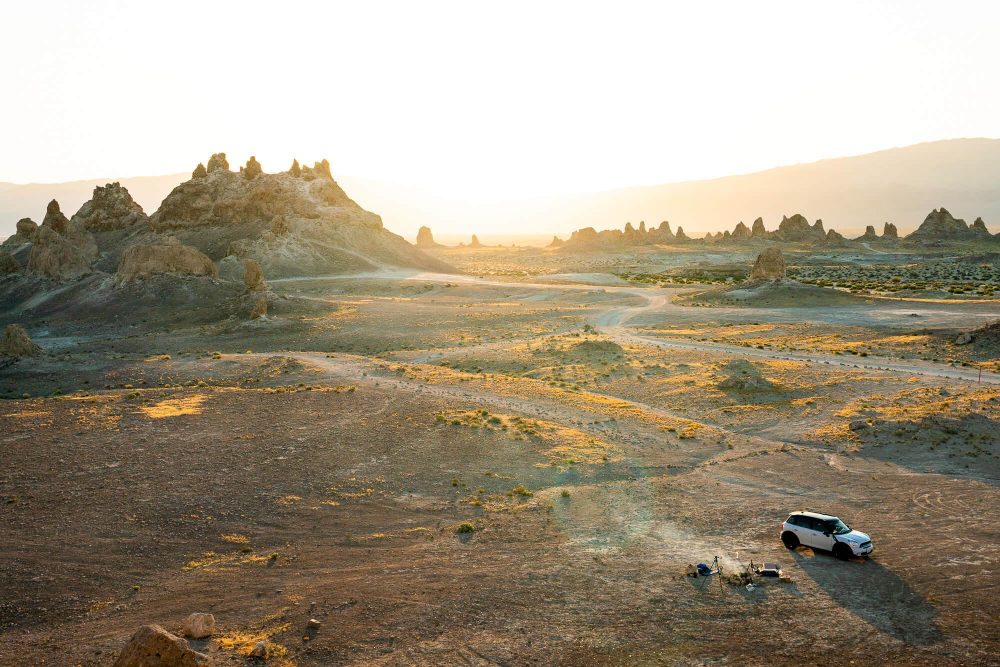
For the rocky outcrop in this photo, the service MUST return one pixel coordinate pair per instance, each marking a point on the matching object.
(258, 308)
(8, 264)
(110, 208)
(474, 243)
(770, 265)
(833, 237)
(152, 646)
(680, 235)
(796, 228)
(425, 239)
(54, 218)
(941, 225)
(252, 169)
(61, 250)
(199, 171)
(296, 169)
(889, 231)
(979, 228)
(24, 233)
(253, 276)
(757, 230)
(143, 261)
(741, 232)
(556, 242)
(869, 235)
(296, 222)
(218, 162)
(16, 343)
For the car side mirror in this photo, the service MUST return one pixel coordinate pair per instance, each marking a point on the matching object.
(826, 533)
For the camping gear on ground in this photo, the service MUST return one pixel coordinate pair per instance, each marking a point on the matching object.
(770, 570)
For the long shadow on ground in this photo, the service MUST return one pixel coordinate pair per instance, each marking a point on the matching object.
(875, 594)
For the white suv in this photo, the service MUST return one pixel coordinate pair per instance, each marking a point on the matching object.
(823, 531)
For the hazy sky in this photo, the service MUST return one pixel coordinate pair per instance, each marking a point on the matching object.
(507, 99)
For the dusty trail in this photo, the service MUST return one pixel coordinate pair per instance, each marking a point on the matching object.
(614, 322)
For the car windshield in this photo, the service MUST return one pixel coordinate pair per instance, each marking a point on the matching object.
(837, 527)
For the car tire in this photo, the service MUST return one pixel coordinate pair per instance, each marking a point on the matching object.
(790, 539)
(842, 551)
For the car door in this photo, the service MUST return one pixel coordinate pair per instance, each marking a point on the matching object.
(820, 535)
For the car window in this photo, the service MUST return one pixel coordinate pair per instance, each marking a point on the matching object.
(816, 524)
(794, 520)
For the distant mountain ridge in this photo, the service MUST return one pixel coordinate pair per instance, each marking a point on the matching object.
(897, 185)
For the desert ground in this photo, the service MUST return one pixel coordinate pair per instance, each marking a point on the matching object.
(510, 465)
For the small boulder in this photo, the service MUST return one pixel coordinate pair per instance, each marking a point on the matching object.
(260, 651)
(770, 265)
(253, 276)
(964, 338)
(152, 646)
(199, 625)
(16, 343)
(858, 425)
(741, 375)
(199, 171)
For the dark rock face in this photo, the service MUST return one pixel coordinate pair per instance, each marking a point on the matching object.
(889, 231)
(425, 239)
(110, 208)
(941, 225)
(8, 264)
(979, 228)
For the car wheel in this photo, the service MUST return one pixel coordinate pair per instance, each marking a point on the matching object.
(790, 539)
(842, 551)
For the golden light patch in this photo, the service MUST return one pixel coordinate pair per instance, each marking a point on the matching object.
(235, 538)
(174, 407)
(289, 500)
(211, 560)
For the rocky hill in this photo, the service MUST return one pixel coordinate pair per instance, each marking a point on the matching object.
(940, 225)
(298, 222)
